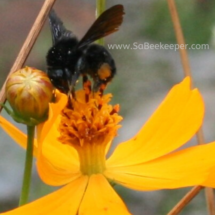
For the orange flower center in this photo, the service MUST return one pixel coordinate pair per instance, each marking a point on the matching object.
(89, 125)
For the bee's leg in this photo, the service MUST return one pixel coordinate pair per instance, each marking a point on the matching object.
(71, 95)
(72, 80)
(69, 104)
(71, 91)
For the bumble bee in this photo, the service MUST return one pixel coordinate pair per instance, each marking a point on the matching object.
(69, 58)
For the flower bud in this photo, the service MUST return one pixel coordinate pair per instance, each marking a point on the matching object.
(29, 92)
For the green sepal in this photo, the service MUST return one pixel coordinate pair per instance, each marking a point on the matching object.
(27, 121)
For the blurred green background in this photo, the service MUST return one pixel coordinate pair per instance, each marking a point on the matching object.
(144, 77)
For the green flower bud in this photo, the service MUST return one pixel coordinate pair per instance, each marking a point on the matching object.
(29, 92)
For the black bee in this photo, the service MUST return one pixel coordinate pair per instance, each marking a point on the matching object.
(69, 58)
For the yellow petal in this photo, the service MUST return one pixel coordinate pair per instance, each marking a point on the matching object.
(55, 176)
(101, 199)
(57, 163)
(184, 168)
(17, 135)
(175, 121)
(57, 152)
(210, 181)
(64, 201)
(54, 111)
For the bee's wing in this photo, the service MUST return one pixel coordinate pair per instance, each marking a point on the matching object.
(107, 23)
(58, 30)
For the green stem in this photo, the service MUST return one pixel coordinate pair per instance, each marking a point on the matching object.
(100, 7)
(28, 166)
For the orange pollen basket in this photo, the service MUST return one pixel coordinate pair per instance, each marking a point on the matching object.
(89, 125)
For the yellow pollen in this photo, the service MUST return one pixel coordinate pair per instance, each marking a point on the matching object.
(104, 72)
(89, 126)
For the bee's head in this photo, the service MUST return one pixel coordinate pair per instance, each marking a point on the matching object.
(59, 78)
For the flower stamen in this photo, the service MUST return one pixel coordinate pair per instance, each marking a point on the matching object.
(87, 87)
(88, 125)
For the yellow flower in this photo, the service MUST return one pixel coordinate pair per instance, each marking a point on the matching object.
(72, 145)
